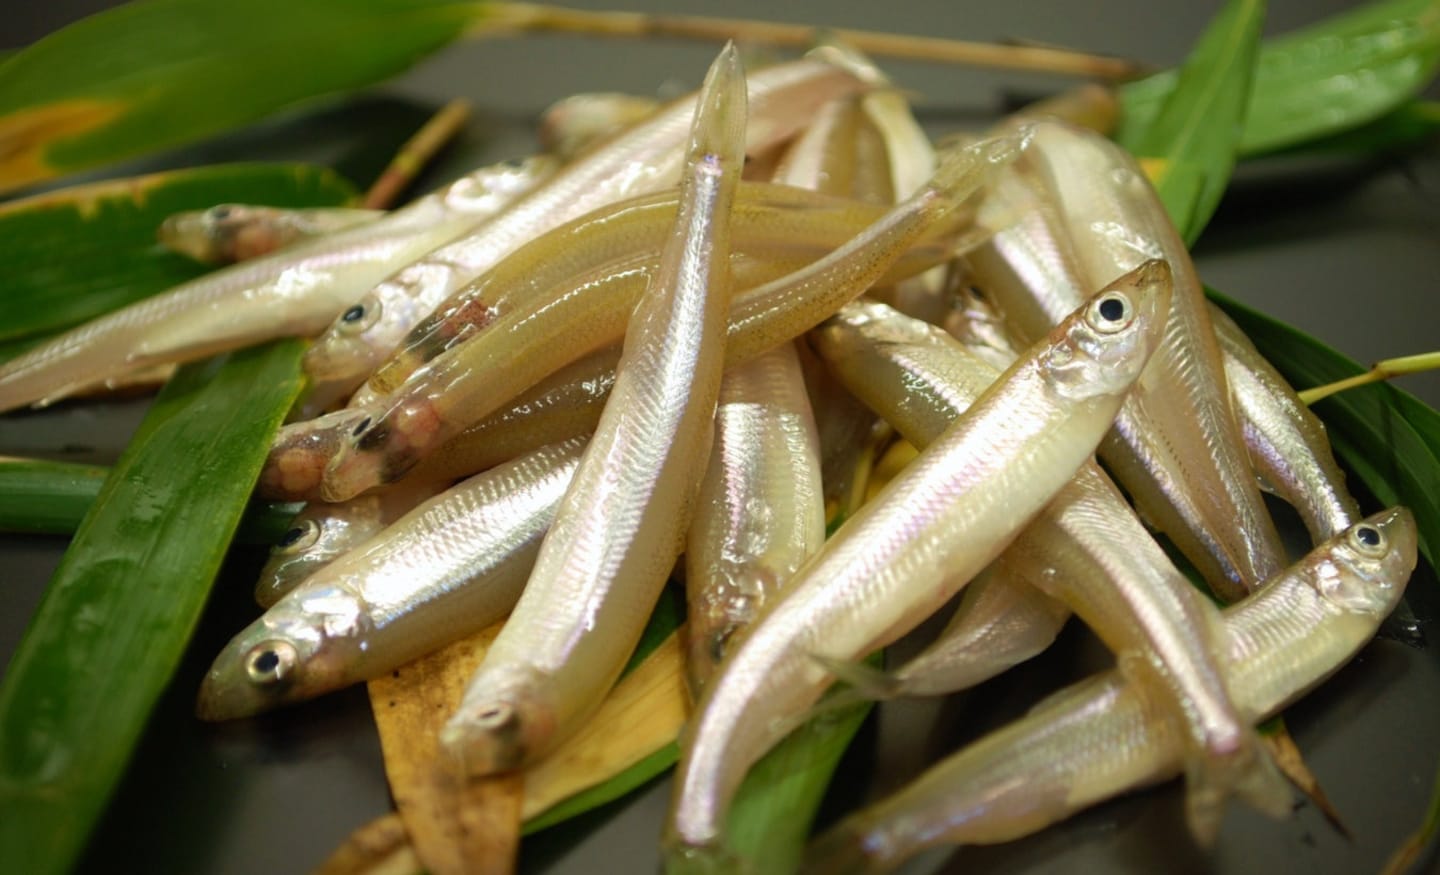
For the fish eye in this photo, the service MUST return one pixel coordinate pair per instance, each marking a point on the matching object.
(301, 536)
(1110, 313)
(1367, 540)
(360, 427)
(270, 662)
(360, 317)
(222, 212)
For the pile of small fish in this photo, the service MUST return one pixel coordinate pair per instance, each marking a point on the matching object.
(690, 338)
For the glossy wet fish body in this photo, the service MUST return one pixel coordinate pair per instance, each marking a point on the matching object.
(622, 524)
(1073, 212)
(644, 159)
(1286, 442)
(432, 407)
(228, 233)
(1098, 738)
(912, 547)
(293, 292)
(1087, 549)
(450, 567)
(321, 533)
(760, 511)
(772, 223)
(573, 124)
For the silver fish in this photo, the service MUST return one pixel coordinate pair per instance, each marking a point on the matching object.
(294, 292)
(227, 233)
(761, 507)
(911, 548)
(622, 524)
(1098, 738)
(1286, 442)
(1071, 213)
(450, 567)
(1087, 549)
(321, 532)
(645, 158)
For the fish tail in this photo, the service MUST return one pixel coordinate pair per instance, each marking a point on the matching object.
(1248, 772)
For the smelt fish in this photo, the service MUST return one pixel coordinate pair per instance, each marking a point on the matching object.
(911, 548)
(622, 524)
(458, 387)
(296, 291)
(1286, 442)
(573, 124)
(1074, 211)
(761, 508)
(322, 532)
(227, 233)
(1087, 549)
(771, 223)
(643, 159)
(1099, 738)
(450, 567)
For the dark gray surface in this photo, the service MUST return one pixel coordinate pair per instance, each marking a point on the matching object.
(1345, 251)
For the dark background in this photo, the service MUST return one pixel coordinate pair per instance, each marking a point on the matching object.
(1345, 250)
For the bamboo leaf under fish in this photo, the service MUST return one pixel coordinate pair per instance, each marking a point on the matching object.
(51, 498)
(78, 252)
(119, 610)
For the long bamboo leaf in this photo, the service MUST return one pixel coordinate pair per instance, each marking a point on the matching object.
(158, 73)
(116, 616)
(776, 806)
(1407, 127)
(51, 498)
(78, 252)
(1199, 123)
(1321, 80)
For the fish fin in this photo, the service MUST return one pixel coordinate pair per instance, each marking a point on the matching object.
(1249, 773)
(865, 682)
(1288, 757)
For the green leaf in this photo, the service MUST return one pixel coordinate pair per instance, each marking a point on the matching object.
(1321, 80)
(772, 814)
(1197, 126)
(76, 253)
(115, 618)
(158, 73)
(51, 498)
(1388, 438)
(1412, 125)
(601, 794)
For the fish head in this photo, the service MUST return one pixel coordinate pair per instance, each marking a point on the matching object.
(1101, 348)
(1370, 563)
(298, 455)
(212, 235)
(319, 534)
(302, 647)
(346, 353)
(345, 346)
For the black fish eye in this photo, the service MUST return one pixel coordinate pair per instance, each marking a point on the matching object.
(354, 314)
(1368, 536)
(360, 427)
(1112, 309)
(221, 213)
(271, 662)
(292, 536)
